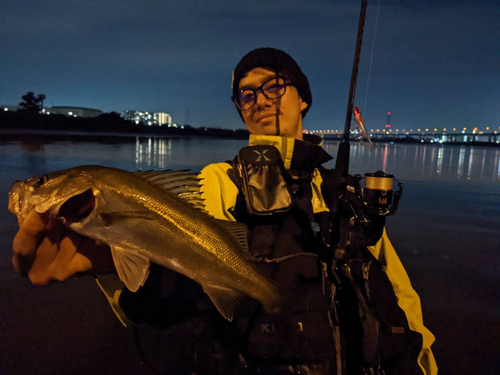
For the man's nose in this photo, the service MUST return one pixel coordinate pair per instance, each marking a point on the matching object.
(262, 100)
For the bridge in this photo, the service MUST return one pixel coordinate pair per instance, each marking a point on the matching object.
(489, 138)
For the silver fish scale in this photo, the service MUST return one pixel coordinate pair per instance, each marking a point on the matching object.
(172, 233)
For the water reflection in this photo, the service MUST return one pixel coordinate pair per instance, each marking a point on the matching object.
(440, 161)
(152, 153)
(425, 162)
(406, 161)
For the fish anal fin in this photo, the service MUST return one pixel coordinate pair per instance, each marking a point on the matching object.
(132, 267)
(224, 299)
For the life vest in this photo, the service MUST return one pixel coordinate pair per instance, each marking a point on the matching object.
(325, 322)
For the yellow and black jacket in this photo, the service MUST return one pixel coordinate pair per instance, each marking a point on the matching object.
(222, 195)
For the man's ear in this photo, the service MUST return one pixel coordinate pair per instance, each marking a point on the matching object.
(303, 105)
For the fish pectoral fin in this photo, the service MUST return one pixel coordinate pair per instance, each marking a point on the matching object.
(114, 217)
(225, 300)
(131, 266)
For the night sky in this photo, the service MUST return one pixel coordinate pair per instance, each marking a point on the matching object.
(435, 63)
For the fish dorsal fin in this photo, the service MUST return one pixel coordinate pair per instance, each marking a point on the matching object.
(239, 231)
(225, 300)
(132, 267)
(181, 183)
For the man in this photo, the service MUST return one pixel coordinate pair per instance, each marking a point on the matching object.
(274, 186)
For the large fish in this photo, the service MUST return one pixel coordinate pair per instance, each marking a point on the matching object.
(146, 217)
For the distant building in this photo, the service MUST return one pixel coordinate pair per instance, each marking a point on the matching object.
(148, 118)
(72, 111)
(6, 108)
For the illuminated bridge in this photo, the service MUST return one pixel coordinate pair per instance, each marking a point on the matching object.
(463, 137)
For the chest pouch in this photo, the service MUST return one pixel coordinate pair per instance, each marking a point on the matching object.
(259, 173)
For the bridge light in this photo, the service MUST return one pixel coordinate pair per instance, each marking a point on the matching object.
(487, 128)
(465, 129)
(435, 129)
(444, 129)
(426, 130)
(454, 129)
(418, 130)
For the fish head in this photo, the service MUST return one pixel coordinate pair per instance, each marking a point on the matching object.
(18, 200)
(70, 195)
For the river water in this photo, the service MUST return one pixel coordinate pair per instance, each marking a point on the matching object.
(446, 232)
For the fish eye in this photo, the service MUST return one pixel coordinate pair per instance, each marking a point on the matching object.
(42, 180)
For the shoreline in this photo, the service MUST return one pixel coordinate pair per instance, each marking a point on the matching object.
(40, 135)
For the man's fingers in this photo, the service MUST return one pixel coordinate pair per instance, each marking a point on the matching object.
(60, 267)
(39, 274)
(80, 263)
(26, 239)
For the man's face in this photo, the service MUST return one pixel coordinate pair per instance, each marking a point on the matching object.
(281, 116)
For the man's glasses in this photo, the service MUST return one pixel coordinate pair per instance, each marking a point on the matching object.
(272, 89)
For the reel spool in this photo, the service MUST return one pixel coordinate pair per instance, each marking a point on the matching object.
(378, 195)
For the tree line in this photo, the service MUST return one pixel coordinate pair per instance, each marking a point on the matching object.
(29, 117)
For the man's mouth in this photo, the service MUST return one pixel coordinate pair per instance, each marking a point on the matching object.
(263, 116)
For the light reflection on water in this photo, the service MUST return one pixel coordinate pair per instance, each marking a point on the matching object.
(152, 153)
(417, 162)
(425, 162)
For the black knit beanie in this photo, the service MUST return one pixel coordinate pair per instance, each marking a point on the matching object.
(278, 62)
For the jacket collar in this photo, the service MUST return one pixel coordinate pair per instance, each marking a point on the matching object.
(297, 155)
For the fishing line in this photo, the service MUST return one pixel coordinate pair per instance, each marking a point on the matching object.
(371, 58)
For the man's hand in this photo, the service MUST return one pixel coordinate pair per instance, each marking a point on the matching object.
(46, 250)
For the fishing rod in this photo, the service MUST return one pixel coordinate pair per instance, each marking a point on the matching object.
(357, 220)
(342, 163)
(358, 211)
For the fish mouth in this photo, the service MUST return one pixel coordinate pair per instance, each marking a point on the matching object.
(78, 207)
